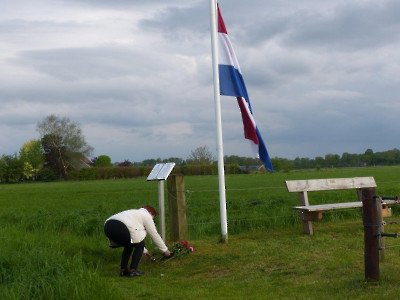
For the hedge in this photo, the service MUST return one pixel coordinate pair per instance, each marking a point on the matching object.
(133, 172)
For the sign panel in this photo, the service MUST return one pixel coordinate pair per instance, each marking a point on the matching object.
(161, 171)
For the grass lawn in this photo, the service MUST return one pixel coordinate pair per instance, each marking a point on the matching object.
(52, 244)
(281, 264)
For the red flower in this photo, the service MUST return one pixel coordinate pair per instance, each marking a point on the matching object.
(177, 249)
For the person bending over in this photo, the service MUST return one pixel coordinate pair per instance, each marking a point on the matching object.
(128, 229)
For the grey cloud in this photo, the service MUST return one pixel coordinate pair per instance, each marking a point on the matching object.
(341, 27)
(120, 4)
(335, 121)
(20, 27)
(262, 31)
(181, 22)
(48, 93)
(348, 27)
(86, 63)
(272, 74)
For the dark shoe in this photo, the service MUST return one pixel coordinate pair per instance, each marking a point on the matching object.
(135, 273)
(123, 273)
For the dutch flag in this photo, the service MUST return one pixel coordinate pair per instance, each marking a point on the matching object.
(232, 84)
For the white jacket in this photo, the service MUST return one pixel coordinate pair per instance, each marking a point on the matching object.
(140, 222)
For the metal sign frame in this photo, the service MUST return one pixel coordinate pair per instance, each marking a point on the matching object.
(160, 173)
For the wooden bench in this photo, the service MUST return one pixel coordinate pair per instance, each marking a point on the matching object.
(309, 213)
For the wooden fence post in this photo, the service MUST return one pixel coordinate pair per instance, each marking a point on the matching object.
(177, 208)
(371, 237)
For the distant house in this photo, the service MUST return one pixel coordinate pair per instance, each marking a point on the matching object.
(80, 161)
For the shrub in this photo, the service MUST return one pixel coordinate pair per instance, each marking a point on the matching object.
(47, 174)
(235, 169)
(214, 169)
(11, 169)
(88, 174)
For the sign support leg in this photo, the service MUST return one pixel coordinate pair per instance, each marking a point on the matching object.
(161, 206)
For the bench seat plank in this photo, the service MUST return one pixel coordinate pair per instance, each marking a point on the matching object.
(329, 184)
(323, 207)
(330, 206)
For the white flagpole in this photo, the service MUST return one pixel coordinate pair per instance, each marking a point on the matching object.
(220, 150)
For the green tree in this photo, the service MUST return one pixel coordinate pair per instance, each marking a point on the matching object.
(277, 163)
(103, 161)
(287, 165)
(368, 157)
(297, 163)
(349, 159)
(62, 142)
(32, 155)
(345, 159)
(332, 160)
(54, 153)
(11, 169)
(232, 159)
(320, 161)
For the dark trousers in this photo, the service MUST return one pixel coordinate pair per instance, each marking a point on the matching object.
(119, 234)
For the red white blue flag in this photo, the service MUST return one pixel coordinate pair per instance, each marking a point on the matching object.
(232, 84)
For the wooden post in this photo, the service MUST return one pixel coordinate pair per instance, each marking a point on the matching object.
(371, 238)
(307, 226)
(177, 208)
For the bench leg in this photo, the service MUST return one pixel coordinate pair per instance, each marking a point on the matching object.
(307, 225)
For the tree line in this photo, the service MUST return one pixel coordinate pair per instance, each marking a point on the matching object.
(233, 165)
(368, 158)
(62, 148)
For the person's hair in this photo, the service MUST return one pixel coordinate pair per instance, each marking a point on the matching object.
(150, 209)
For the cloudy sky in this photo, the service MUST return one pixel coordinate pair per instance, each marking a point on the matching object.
(322, 76)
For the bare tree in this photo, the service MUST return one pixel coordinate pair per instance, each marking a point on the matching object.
(63, 143)
(201, 156)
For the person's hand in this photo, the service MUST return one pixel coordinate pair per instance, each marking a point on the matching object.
(167, 253)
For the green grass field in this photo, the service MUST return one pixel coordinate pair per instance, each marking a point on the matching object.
(52, 244)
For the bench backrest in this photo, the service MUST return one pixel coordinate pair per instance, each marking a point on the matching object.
(311, 185)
